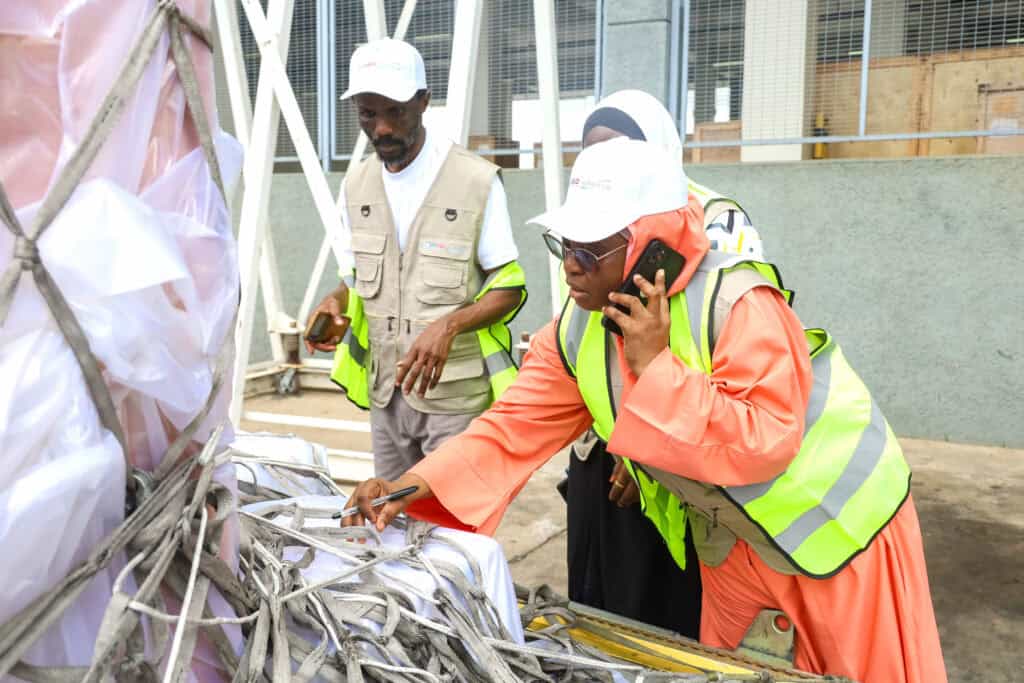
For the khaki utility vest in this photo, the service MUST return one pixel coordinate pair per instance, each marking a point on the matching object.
(438, 273)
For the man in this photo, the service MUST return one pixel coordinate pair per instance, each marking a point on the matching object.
(435, 278)
(794, 485)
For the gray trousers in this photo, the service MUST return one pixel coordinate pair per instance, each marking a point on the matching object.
(402, 435)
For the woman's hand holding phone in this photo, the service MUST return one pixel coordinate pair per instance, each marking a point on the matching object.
(645, 328)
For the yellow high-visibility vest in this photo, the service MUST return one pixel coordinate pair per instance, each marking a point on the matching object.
(849, 477)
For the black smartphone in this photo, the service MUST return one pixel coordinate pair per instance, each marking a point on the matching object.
(656, 256)
(319, 328)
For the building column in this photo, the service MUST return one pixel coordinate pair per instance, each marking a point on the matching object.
(778, 68)
(636, 46)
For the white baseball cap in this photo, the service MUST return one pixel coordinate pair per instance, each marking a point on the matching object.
(388, 67)
(613, 184)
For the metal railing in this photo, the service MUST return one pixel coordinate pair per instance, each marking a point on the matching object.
(863, 77)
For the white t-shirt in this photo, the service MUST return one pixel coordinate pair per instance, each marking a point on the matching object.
(407, 189)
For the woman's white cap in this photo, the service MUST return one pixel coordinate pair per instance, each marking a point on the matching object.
(613, 184)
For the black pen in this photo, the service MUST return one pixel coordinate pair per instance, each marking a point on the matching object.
(400, 493)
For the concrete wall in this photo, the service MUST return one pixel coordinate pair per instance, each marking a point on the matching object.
(914, 265)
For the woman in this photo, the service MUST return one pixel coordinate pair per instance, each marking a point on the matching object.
(793, 482)
(617, 560)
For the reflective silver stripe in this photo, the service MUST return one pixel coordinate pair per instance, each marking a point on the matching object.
(821, 366)
(355, 349)
(574, 335)
(498, 362)
(695, 305)
(615, 382)
(713, 261)
(863, 462)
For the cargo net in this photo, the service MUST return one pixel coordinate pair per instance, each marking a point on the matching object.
(298, 598)
(313, 601)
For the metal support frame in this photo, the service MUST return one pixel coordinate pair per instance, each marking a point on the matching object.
(273, 93)
(551, 142)
(324, 26)
(675, 34)
(879, 137)
(865, 69)
(684, 72)
(599, 50)
(242, 116)
(258, 131)
(861, 136)
(465, 46)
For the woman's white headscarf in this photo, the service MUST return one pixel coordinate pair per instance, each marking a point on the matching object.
(650, 116)
(622, 109)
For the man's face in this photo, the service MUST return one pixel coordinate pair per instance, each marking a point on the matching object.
(590, 289)
(394, 128)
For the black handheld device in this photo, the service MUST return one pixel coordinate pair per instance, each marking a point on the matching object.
(656, 256)
(319, 328)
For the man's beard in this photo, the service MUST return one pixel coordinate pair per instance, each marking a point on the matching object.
(397, 153)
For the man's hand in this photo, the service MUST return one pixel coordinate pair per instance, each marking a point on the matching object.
(624, 491)
(375, 488)
(426, 358)
(645, 328)
(332, 305)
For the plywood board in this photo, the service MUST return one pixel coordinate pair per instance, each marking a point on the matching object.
(717, 132)
(1002, 108)
(893, 106)
(955, 94)
(938, 92)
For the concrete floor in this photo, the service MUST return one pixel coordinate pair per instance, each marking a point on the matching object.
(970, 500)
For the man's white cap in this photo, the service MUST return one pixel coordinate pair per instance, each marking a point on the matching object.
(388, 67)
(613, 184)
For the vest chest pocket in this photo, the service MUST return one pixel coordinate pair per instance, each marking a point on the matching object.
(444, 264)
(368, 249)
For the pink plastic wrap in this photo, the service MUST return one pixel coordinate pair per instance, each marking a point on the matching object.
(144, 254)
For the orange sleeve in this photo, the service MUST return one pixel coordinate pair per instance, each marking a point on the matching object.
(741, 424)
(475, 475)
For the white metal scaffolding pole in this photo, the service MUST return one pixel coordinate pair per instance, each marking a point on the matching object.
(261, 167)
(257, 171)
(465, 44)
(551, 143)
(226, 12)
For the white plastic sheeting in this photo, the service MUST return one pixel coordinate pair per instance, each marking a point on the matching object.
(145, 256)
(494, 571)
(496, 579)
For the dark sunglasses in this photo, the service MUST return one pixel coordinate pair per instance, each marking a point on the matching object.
(586, 259)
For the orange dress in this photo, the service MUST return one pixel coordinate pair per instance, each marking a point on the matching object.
(873, 621)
